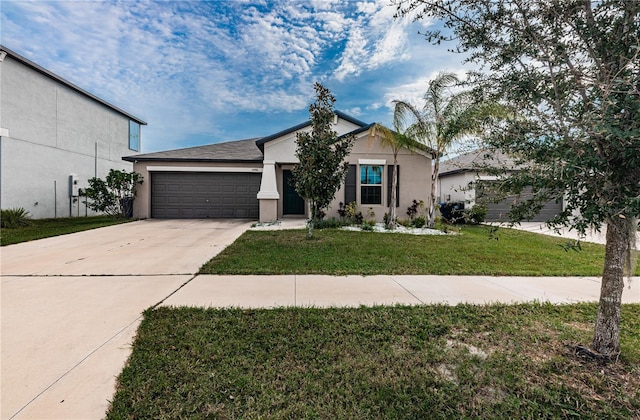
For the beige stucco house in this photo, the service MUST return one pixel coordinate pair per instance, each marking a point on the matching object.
(250, 178)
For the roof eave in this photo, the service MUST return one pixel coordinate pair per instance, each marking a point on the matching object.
(169, 159)
(260, 142)
(51, 75)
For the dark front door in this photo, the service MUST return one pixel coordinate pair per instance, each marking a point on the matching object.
(293, 203)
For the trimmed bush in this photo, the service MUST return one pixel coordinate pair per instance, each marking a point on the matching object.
(476, 214)
(328, 223)
(419, 222)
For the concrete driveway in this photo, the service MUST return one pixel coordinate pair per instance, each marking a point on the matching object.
(71, 306)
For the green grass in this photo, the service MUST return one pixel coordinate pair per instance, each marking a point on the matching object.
(471, 252)
(44, 228)
(467, 361)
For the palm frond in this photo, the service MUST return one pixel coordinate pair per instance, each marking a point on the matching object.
(438, 91)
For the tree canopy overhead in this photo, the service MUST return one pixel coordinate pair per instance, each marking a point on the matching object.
(570, 72)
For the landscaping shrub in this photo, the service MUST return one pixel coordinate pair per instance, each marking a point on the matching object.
(414, 208)
(368, 225)
(352, 215)
(453, 212)
(14, 218)
(419, 222)
(476, 214)
(114, 195)
(328, 223)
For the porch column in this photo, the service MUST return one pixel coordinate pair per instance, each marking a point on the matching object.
(268, 195)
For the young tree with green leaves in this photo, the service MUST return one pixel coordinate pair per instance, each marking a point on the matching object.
(114, 195)
(322, 167)
(445, 118)
(570, 71)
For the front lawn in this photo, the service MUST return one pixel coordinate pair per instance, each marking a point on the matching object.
(474, 251)
(497, 361)
(44, 228)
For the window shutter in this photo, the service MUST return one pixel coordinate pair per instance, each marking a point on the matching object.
(350, 184)
(389, 184)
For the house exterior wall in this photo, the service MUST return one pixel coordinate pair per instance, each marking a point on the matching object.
(455, 187)
(142, 202)
(414, 181)
(283, 149)
(461, 187)
(49, 131)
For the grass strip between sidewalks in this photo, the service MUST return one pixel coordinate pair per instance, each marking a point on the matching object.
(45, 228)
(473, 251)
(496, 361)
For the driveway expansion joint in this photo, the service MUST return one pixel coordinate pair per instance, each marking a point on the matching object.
(193, 276)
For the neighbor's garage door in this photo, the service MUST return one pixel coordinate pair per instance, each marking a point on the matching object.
(201, 195)
(499, 211)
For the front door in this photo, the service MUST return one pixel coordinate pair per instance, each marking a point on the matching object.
(293, 203)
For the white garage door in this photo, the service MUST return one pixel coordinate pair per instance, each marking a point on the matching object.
(202, 195)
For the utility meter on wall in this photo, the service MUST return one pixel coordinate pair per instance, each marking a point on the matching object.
(74, 184)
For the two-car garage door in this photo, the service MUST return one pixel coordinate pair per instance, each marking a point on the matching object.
(201, 195)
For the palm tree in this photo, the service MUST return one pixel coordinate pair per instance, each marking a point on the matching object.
(445, 119)
(396, 140)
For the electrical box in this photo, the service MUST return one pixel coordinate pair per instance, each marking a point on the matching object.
(74, 185)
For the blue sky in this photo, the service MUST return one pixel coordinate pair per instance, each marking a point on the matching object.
(201, 72)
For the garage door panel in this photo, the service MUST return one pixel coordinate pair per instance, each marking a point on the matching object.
(500, 211)
(201, 188)
(204, 195)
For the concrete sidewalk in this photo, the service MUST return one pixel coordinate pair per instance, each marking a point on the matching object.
(349, 291)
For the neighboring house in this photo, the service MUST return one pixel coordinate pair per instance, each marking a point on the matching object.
(54, 136)
(251, 178)
(462, 180)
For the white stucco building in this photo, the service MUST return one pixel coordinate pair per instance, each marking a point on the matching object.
(54, 136)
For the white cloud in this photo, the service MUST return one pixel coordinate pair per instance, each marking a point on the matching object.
(355, 111)
(375, 38)
(187, 66)
(413, 92)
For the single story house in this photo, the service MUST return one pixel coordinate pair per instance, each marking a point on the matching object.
(462, 179)
(54, 137)
(250, 178)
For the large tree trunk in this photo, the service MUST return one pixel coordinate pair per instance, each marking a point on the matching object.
(606, 338)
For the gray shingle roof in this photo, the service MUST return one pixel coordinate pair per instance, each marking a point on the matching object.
(475, 160)
(231, 151)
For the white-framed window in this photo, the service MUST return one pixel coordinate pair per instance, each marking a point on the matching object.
(371, 184)
(134, 136)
